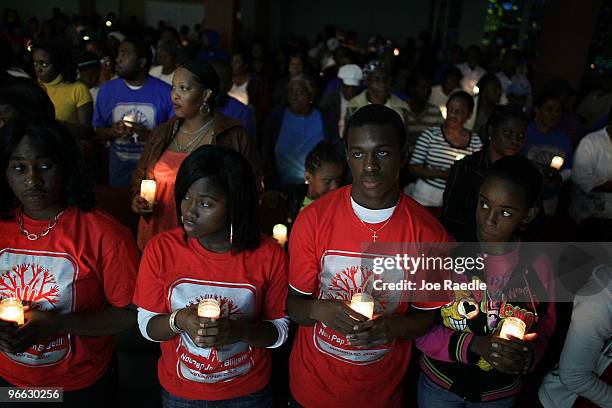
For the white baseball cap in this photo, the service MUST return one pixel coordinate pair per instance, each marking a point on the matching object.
(350, 74)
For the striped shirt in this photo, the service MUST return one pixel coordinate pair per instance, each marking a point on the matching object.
(429, 116)
(434, 151)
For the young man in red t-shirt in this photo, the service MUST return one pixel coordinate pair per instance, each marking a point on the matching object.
(340, 358)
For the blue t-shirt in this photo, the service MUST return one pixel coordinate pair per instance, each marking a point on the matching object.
(235, 109)
(148, 106)
(298, 136)
(540, 147)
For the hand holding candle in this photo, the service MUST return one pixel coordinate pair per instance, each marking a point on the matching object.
(363, 303)
(279, 233)
(147, 191)
(11, 310)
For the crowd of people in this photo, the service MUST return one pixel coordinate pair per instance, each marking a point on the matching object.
(353, 148)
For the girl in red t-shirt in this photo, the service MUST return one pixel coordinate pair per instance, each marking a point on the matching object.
(59, 256)
(217, 254)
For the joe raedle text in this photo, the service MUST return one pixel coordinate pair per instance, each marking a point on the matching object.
(447, 284)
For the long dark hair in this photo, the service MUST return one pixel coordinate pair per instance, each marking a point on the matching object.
(231, 173)
(52, 138)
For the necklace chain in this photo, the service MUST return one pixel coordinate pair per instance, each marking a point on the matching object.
(193, 142)
(34, 237)
(374, 236)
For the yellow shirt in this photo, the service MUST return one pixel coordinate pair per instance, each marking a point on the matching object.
(67, 97)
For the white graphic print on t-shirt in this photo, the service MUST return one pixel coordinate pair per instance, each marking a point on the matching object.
(342, 275)
(47, 280)
(211, 365)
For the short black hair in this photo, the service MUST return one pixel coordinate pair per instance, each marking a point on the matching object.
(62, 60)
(206, 76)
(520, 172)
(543, 97)
(375, 114)
(466, 97)
(323, 153)
(232, 174)
(52, 138)
(486, 80)
(502, 114)
(27, 100)
(142, 49)
(452, 71)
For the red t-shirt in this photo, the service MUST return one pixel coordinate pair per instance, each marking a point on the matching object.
(332, 258)
(86, 263)
(176, 272)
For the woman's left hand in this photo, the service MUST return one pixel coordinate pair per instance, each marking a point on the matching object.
(216, 333)
(374, 333)
(39, 325)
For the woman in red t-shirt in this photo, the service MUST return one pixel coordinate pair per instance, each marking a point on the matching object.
(58, 255)
(219, 254)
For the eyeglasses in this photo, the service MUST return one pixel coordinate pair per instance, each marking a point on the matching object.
(511, 133)
(43, 64)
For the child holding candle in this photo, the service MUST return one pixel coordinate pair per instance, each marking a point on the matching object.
(73, 266)
(465, 360)
(219, 253)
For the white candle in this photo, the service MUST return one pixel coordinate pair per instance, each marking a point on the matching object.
(459, 156)
(11, 310)
(279, 233)
(129, 120)
(557, 162)
(513, 326)
(147, 191)
(209, 308)
(443, 111)
(363, 303)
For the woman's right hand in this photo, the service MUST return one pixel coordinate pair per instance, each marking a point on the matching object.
(140, 206)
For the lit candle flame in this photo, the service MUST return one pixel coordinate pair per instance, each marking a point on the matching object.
(363, 303)
(557, 162)
(279, 233)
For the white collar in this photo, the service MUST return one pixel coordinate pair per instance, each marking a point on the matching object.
(372, 216)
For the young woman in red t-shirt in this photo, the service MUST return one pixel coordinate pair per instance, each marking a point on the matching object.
(218, 253)
(72, 265)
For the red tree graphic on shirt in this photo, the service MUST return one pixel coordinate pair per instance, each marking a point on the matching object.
(228, 307)
(354, 279)
(30, 283)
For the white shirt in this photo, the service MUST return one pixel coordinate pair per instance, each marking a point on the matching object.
(470, 76)
(371, 216)
(516, 79)
(156, 72)
(592, 167)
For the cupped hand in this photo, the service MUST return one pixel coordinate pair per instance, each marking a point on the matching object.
(336, 315)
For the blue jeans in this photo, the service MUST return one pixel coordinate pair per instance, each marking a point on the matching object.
(258, 399)
(431, 395)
